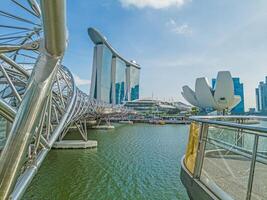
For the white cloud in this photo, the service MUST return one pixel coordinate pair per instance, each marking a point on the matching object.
(156, 4)
(180, 29)
(79, 81)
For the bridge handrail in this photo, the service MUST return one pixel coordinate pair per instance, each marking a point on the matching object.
(202, 133)
(211, 120)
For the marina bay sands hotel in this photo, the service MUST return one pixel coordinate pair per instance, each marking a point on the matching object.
(114, 79)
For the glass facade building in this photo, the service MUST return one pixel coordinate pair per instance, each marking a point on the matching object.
(257, 100)
(101, 87)
(261, 96)
(114, 79)
(238, 90)
(105, 83)
(120, 81)
(134, 83)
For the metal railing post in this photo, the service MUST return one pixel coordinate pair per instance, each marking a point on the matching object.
(201, 150)
(252, 167)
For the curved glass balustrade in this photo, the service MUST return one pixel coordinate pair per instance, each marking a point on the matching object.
(228, 156)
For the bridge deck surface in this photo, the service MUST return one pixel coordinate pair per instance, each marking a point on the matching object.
(231, 174)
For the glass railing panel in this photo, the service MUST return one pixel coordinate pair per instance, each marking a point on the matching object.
(231, 136)
(262, 123)
(227, 161)
(192, 146)
(259, 189)
(222, 134)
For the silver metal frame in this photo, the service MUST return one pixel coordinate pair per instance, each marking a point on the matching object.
(38, 94)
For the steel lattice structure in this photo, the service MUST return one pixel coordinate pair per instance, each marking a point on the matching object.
(38, 95)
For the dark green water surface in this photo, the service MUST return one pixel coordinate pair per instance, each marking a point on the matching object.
(138, 161)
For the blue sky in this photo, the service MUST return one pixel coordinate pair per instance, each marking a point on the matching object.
(174, 41)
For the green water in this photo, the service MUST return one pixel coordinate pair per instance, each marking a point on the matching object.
(138, 161)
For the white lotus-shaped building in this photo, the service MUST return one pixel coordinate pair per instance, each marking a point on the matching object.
(221, 98)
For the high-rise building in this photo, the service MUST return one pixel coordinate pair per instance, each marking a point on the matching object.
(114, 79)
(133, 75)
(238, 90)
(261, 96)
(258, 108)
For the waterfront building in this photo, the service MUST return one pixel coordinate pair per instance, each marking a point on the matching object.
(152, 105)
(220, 98)
(114, 79)
(238, 90)
(261, 96)
(133, 77)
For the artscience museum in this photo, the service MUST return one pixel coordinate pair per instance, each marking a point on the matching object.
(221, 98)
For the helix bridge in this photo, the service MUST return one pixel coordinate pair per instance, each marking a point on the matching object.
(38, 96)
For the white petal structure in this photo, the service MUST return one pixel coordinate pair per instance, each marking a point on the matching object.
(221, 98)
(224, 90)
(190, 95)
(204, 93)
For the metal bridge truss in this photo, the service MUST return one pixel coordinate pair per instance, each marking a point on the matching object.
(38, 95)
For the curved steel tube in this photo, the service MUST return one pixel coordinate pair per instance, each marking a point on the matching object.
(7, 111)
(54, 22)
(36, 96)
(51, 104)
(24, 182)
